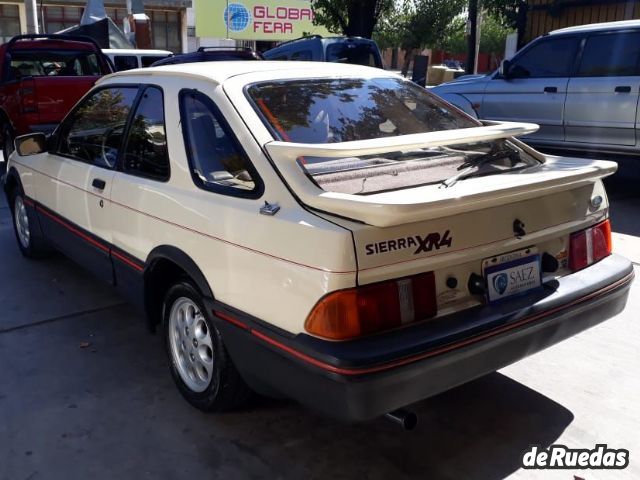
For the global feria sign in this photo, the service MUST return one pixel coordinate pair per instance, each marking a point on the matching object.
(255, 19)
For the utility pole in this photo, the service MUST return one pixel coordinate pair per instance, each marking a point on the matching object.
(472, 39)
(31, 10)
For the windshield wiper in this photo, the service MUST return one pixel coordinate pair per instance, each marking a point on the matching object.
(475, 163)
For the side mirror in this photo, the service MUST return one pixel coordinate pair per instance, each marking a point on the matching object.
(505, 67)
(31, 144)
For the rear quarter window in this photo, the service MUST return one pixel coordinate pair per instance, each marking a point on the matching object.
(216, 159)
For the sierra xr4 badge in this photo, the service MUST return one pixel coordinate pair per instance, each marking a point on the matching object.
(424, 244)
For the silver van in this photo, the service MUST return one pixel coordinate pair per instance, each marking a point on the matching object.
(580, 84)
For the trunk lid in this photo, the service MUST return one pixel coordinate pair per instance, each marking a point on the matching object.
(459, 242)
(450, 231)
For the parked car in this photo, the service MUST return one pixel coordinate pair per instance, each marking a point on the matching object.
(211, 54)
(354, 50)
(127, 59)
(41, 78)
(580, 84)
(338, 236)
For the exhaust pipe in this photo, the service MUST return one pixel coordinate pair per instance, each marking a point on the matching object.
(406, 419)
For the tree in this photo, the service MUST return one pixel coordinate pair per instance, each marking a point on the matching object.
(428, 22)
(417, 24)
(506, 11)
(356, 18)
(493, 36)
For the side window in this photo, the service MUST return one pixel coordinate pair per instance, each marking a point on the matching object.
(551, 57)
(611, 55)
(148, 60)
(125, 62)
(302, 55)
(216, 158)
(93, 132)
(146, 151)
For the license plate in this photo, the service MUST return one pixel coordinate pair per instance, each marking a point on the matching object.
(512, 274)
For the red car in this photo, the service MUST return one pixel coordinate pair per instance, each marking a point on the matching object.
(41, 78)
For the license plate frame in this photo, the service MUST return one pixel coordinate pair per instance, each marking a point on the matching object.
(511, 274)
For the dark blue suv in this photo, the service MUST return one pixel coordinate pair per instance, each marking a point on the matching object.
(355, 50)
(210, 54)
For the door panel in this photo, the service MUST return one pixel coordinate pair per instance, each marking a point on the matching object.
(596, 113)
(76, 215)
(535, 88)
(525, 100)
(75, 182)
(602, 99)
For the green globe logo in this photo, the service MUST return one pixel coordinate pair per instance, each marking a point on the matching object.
(236, 17)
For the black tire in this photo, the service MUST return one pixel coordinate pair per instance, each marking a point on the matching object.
(8, 138)
(35, 246)
(226, 389)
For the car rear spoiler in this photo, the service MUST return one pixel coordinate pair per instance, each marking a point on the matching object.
(425, 202)
(291, 151)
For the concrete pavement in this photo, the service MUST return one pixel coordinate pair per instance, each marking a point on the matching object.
(85, 393)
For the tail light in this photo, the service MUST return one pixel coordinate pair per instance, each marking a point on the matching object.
(372, 308)
(590, 245)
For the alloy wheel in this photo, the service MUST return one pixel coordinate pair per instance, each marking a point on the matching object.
(191, 344)
(22, 222)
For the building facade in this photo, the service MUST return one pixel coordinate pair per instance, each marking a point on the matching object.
(169, 24)
(543, 16)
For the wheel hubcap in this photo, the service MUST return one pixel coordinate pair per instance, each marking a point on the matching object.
(22, 222)
(191, 344)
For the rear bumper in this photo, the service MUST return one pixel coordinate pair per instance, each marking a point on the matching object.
(363, 379)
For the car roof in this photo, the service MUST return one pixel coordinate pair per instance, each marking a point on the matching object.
(135, 51)
(45, 44)
(208, 56)
(219, 72)
(595, 27)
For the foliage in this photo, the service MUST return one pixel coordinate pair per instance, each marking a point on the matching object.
(427, 23)
(456, 40)
(493, 36)
(350, 17)
(505, 11)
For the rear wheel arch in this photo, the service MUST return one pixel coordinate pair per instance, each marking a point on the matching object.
(165, 266)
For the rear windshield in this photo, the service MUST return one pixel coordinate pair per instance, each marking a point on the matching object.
(329, 111)
(68, 63)
(339, 110)
(354, 53)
